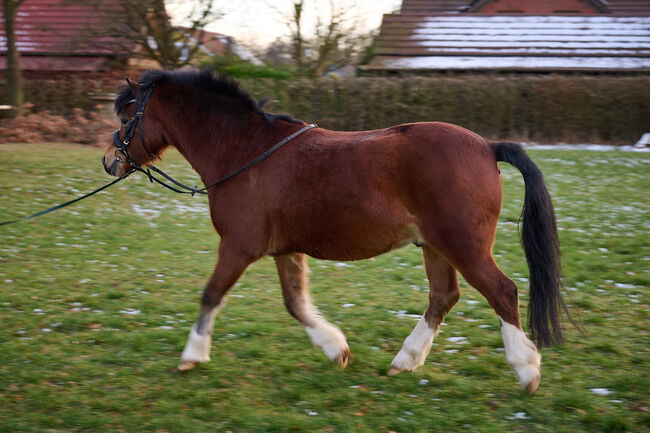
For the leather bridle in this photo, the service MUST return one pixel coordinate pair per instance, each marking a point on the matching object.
(136, 123)
(131, 126)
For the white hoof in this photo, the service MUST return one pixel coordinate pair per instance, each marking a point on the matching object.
(196, 350)
(415, 349)
(186, 365)
(331, 340)
(521, 356)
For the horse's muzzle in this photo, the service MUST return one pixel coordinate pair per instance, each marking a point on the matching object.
(112, 169)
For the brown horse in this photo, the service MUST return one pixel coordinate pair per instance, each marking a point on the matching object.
(346, 196)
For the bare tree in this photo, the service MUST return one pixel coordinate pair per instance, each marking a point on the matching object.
(144, 28)
(333, 44)
(14, 76)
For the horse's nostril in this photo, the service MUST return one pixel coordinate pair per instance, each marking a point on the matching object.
(110, 170)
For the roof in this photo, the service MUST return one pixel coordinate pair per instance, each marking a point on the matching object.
(54, 35)
(433, 7)
(437, 7)
(57, 27)
(512, 42)
(555, 7)
(213, 44)
(629, 7)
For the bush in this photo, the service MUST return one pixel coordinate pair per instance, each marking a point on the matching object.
(240, 69)
(547, 108)
(543, 108)
(80, 127)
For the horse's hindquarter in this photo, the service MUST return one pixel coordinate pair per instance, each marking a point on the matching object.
(347, 196)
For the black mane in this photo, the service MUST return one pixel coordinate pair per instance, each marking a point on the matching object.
(207, 81)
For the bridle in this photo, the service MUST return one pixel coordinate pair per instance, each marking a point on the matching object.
(131, 126)
(136, 122)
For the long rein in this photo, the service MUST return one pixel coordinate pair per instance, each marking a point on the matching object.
(121, 145)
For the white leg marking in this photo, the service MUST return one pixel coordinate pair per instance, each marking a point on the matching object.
(197, 348)
(415, 349)
(521, 355)
(326, 336)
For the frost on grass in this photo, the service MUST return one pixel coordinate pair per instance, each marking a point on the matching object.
(600, 391)
(518, 415)
(403, 313)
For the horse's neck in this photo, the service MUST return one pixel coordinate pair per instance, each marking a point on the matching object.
(220, 148)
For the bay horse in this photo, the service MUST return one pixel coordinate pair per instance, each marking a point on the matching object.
(346, 196)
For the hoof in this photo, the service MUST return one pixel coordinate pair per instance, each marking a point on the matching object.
(187, 365)
(532, 385)
(343, 358)
(394, 371)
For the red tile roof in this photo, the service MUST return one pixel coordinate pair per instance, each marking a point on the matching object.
(629, 7)
(58, 34)
(436, 7)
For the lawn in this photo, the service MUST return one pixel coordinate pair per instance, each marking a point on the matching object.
(96, 302)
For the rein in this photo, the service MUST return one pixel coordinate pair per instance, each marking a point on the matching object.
(136, 121)
(121, 145)
(67, 203)
(195, 190)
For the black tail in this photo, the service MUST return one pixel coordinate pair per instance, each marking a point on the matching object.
(542, 247)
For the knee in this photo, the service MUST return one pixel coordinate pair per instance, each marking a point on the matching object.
(444, 300)
(210, 300)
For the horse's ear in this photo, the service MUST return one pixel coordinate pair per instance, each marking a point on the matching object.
(262, 102)
(132, 85)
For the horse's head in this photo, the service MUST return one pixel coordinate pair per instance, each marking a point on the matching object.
(137, 142)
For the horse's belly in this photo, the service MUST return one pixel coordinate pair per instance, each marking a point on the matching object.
(360, 244)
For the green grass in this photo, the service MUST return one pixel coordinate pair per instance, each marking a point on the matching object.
(75, 357)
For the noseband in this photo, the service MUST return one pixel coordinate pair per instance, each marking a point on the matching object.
(131, 126)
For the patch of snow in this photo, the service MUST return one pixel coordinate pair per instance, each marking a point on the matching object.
(518, 415)
(601, 391)
(514, 62)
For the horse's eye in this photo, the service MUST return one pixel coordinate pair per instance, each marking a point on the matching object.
(124, 121)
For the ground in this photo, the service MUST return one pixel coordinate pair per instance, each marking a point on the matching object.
(96, 302)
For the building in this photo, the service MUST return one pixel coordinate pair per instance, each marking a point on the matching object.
(52, 35)
(514, 35)
(94, 36)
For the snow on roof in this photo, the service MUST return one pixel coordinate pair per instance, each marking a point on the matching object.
(513, 62)
(513, 42)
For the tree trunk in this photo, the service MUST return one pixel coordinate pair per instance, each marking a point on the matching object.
(14, 77)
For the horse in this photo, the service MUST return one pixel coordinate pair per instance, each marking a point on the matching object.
(346, 196)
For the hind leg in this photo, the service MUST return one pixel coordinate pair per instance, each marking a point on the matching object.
(501, 294)
(443, 295)
(292, 269)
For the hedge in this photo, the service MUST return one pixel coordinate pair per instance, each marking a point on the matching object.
(543, 108)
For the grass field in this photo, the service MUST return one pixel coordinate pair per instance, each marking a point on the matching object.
(96, 302)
